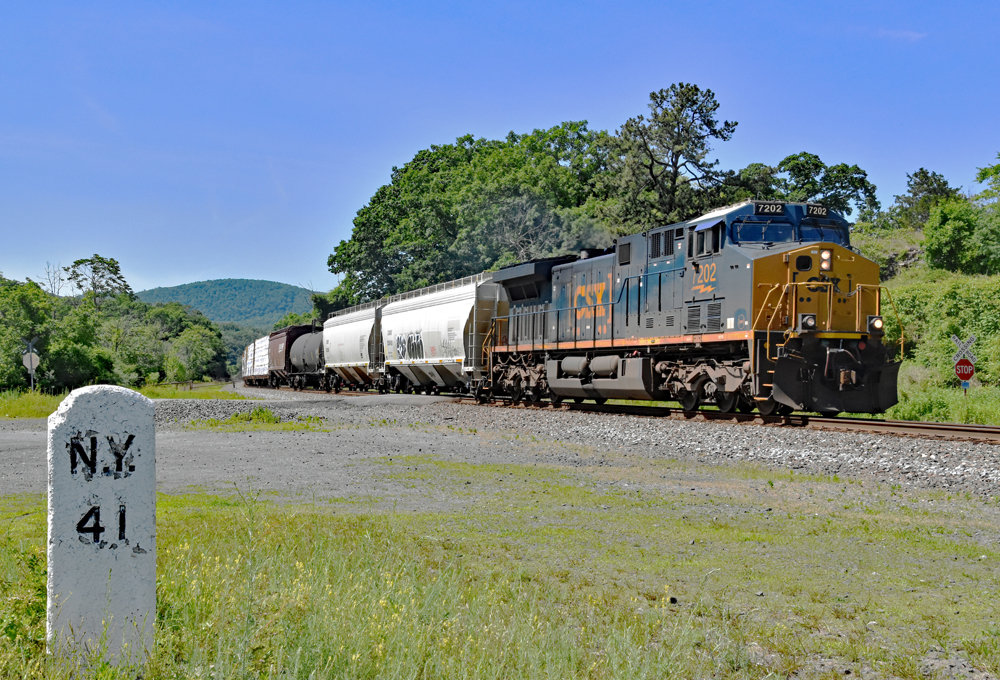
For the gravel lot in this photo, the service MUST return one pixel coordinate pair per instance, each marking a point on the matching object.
(909, 462)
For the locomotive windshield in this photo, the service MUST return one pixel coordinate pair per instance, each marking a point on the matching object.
(763, 232)
(766, 231)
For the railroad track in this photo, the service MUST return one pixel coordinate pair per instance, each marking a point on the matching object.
(904, 428)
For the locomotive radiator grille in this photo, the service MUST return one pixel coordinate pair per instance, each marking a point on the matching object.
(694, 318)
(714, 320)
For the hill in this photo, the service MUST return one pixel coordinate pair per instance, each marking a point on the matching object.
(247, 302)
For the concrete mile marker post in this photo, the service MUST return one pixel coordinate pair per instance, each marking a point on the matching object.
(102, 526)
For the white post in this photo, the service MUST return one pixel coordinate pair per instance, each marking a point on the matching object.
(102, 525)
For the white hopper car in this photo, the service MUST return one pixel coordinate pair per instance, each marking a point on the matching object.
(426, 340)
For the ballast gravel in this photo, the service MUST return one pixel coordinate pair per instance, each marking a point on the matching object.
(906, 461)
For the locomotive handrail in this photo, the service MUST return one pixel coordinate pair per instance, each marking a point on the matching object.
(877, 289)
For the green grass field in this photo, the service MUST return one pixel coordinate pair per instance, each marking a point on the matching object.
(546, 573)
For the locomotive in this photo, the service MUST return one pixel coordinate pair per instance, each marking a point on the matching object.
(760, 305)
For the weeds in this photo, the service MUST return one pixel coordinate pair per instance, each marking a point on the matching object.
(18, 404)
(259, 419)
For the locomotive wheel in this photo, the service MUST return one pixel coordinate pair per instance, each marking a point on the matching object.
(534, 395)
(689, 401)
(727, 401)
(516, 392)
(744, 405)
(768, 407)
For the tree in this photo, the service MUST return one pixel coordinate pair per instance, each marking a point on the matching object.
(924, 190)
(194, 353)
(990, 175)
(808, 179)
(101, 277)
(961, 236)
(293, 319)
(659, 167)
(457, 209)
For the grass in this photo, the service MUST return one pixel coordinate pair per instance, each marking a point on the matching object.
(654, 569)
(16, 404)
(260, 419)
(172, 392)
(27, 404)
(948, 405)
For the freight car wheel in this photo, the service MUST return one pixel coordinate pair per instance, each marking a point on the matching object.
(727, 401)
(578, 400)
(556, 399)
(689, 401)
(602, 400)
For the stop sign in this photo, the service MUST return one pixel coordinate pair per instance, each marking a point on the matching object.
(964, 369)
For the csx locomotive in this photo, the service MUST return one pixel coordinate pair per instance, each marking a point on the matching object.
(760, 305)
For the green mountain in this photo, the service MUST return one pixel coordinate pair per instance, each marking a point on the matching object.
(247, 302)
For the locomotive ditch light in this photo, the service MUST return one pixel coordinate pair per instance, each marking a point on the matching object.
(807, 322)
(826, 260)
(876, 325)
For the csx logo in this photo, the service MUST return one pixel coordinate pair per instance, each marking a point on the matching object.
(588, 295)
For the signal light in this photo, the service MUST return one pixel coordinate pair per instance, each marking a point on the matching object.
(826, 260)
(876, 325)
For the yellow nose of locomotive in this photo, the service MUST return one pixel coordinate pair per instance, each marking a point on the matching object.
(818, 289)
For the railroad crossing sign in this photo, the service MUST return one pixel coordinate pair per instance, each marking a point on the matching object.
(964, 370)
(30, 361)
(963, 349)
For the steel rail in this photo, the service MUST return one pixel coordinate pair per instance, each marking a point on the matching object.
(989, 434)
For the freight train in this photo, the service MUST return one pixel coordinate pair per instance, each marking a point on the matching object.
(760, 305)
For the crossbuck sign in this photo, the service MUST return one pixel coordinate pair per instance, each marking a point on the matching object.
(963, 349)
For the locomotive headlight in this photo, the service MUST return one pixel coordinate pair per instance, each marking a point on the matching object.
(826, 260)
(876, 325)
(807, 322)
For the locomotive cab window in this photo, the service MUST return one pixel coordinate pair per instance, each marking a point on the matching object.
(822, 233)
(754, 231)
(708, 239)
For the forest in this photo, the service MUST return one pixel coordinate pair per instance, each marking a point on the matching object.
(91, 329)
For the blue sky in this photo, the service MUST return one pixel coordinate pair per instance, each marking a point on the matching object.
(194, 141)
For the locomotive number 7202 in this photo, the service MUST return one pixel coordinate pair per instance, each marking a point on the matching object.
(705, 274)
